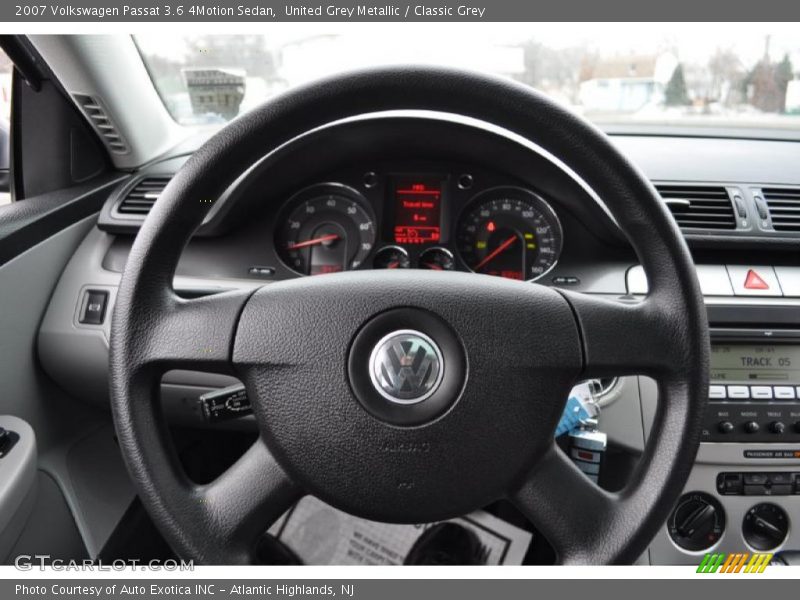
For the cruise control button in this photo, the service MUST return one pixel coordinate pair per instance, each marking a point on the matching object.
(761, 392)
(738, 392)
(754, 281)
(717, 392)
(784, 392)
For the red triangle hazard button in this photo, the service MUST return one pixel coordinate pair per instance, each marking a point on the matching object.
(753, 281)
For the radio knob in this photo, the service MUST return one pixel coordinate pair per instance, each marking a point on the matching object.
(777, 427)
(725, 427)
(751, 427)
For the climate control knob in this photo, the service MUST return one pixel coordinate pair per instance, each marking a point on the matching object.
(697, 522)
(765, 526)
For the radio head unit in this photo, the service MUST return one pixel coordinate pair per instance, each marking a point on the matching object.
(754, 393)
(755, 363)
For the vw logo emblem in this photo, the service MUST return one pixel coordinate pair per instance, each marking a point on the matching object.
(406, 366)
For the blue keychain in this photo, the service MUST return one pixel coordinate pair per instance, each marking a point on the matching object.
(579, 409)
(575, 413)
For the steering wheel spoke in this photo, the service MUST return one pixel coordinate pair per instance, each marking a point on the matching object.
(568, 509)
(239, 506)
(190, 334)
(619, 337)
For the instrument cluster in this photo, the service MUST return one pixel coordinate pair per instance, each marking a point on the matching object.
(422, 220)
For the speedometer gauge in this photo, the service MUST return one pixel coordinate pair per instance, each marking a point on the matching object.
(509, 232)
(325, 229)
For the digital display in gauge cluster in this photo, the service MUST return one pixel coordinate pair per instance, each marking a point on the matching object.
(417, 210)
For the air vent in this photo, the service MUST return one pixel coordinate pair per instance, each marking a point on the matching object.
(699, 207)
(98, 117)
(784, 208)
(141, 197)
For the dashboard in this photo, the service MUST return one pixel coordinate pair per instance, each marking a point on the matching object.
(389, 193)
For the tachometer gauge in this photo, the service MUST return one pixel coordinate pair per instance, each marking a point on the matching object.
(325, 229)
(509, 232)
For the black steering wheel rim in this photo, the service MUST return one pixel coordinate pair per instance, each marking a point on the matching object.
(665, 336)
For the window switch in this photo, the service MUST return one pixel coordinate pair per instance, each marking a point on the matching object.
(93, 309)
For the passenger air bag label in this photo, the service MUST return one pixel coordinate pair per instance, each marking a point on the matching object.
(772, 453)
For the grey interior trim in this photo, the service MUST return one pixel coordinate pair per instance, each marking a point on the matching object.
(90, 65)
(59, 420)
(99, 484)
(17, 481)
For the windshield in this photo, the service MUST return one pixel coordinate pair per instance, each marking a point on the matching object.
(710, 75)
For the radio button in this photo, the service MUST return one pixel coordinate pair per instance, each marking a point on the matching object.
(751, 427)
(739, 392)
(784, 392)
(761, 392)
(718, 392)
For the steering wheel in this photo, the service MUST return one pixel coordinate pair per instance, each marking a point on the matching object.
(409, 396)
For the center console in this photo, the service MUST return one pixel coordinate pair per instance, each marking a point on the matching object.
(743, 495)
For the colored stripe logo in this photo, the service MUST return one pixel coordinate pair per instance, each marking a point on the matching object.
(734, 563)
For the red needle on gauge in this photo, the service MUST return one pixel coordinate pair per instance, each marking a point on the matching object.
(313, 242)
(501, 248)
